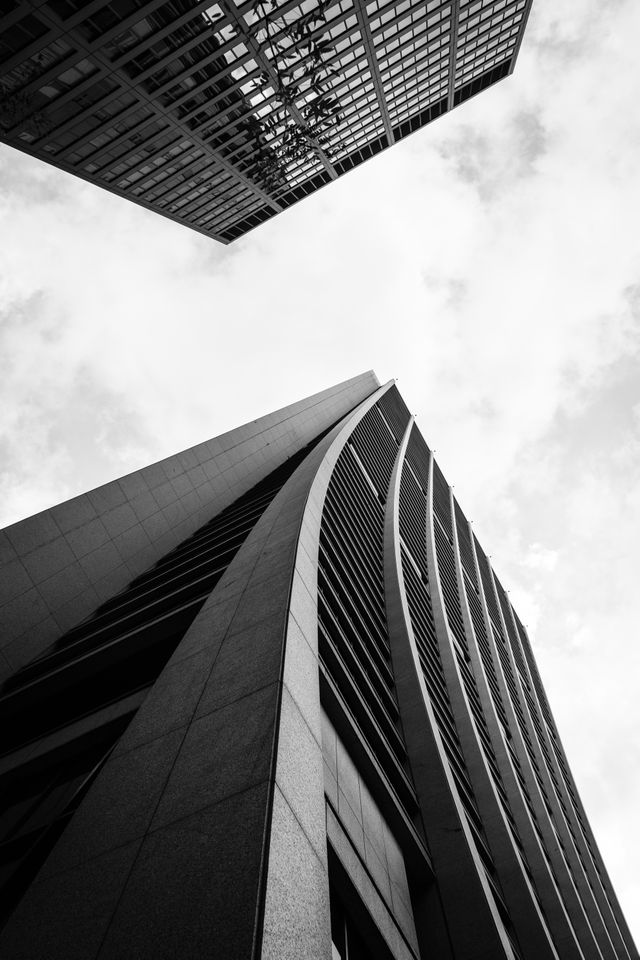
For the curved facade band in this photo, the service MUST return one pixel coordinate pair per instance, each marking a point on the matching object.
(311, 726)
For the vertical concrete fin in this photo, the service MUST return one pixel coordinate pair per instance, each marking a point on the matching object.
(563, 907)
(296, 920)
(474, 927)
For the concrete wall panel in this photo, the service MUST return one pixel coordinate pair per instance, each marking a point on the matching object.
(235, 711)
(59, 565)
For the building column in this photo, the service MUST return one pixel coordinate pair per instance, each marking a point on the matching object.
(474, 931)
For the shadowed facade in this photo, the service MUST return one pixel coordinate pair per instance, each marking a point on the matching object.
(290, 712)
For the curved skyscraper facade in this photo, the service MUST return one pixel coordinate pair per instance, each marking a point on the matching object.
(268, 699)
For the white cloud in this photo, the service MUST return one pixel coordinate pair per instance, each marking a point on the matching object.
(539, 557)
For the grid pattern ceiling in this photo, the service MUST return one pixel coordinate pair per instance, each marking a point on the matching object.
(219, 115)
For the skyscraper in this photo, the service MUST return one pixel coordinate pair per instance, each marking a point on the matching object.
(220, 115)
(267, 698)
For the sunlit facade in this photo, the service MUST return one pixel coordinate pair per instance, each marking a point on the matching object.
(221, 115)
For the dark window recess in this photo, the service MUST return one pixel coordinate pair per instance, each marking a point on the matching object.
(353, 642)
(304, 189)
(38, 802)
(346, 942)
(420, 119)
(247, 224)
(413, 519)
(354, 934)
(364, 153)
(481, 83)
(72, 704)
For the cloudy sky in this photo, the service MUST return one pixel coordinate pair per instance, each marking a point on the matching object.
(491, 263)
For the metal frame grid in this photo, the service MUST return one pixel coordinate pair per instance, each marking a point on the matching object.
(160, 101)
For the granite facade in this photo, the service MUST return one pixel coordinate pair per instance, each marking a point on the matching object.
(349, 744)
(59, 565)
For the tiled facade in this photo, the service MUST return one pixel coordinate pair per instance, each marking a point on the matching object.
(60, 564)
(311, 725)
(220, 115)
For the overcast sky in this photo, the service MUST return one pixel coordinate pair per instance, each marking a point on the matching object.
(491, 263)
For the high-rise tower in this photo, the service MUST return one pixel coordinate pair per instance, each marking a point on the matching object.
(268, 699)
(220, 115)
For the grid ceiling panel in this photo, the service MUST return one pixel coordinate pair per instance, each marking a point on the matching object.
(221, 114)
